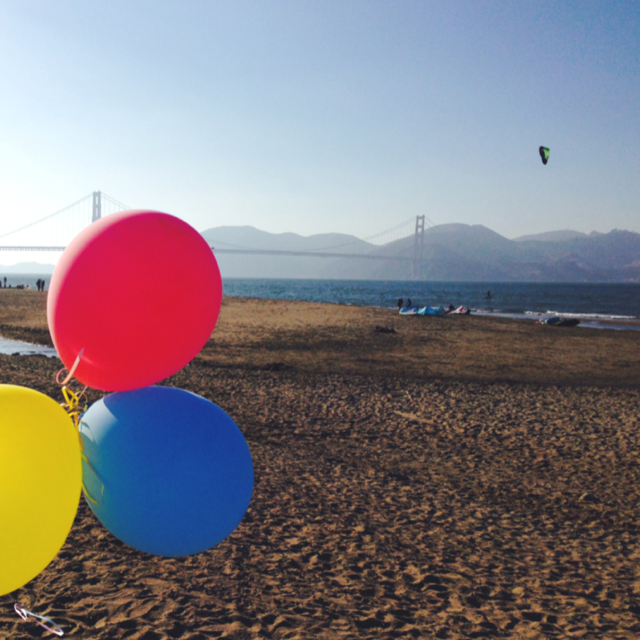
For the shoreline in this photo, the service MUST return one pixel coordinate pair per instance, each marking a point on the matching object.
(334, 338)
(578, 298)
(586, 321)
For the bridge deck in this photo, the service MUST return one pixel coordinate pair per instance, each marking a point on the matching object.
(264, 252)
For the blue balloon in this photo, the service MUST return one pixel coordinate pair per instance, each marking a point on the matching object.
(166, 471)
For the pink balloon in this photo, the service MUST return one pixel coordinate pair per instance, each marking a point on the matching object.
(140, 293)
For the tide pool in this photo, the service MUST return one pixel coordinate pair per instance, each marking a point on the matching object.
(15, 347)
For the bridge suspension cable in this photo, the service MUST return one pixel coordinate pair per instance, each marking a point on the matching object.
(398, 232)
(54, 231)
(407, 224)
(51, 215)
(93, 206)
(113, 201)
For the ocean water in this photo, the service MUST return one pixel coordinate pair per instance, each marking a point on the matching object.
(592, 303)
(601, 300)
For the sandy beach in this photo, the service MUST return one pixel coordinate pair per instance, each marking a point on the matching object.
(463, 477)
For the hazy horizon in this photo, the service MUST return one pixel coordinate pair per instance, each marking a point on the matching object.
(7, 262)
(457, 251)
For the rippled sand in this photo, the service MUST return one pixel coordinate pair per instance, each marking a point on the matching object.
(461, 478)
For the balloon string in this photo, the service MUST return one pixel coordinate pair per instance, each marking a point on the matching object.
(71, 371)
(72, 405)
(84, 488)
(46, 623)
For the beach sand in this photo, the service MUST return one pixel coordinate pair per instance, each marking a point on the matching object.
(461, 478)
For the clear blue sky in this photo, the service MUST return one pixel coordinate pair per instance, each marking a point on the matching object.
(321, 116)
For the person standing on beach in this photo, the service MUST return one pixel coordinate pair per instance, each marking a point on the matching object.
(400, 303)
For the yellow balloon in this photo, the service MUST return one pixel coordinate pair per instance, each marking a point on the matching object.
(40, 481)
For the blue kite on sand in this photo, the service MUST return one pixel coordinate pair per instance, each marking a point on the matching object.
(415, 310)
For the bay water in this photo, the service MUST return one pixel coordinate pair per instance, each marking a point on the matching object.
(606, 301)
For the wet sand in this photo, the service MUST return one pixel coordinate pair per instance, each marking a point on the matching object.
(460, 478)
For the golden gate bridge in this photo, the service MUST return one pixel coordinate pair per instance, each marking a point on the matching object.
(54, 231)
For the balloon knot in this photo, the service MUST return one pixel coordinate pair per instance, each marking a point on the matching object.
(71, 371)
(75, 404)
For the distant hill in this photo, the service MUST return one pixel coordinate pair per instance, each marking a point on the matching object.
(27, 267)
(557, 236)
(451, 252)
(552, 236)
(252, 238)
(261, 266)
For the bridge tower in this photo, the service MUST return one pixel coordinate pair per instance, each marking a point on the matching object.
(97, 206)
(418, 249)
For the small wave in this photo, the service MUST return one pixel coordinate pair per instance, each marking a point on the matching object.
(600, 316)
(615, 327)
(568, 314)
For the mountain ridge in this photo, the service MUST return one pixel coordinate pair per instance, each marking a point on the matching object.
(25, 268)
(452, 251)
